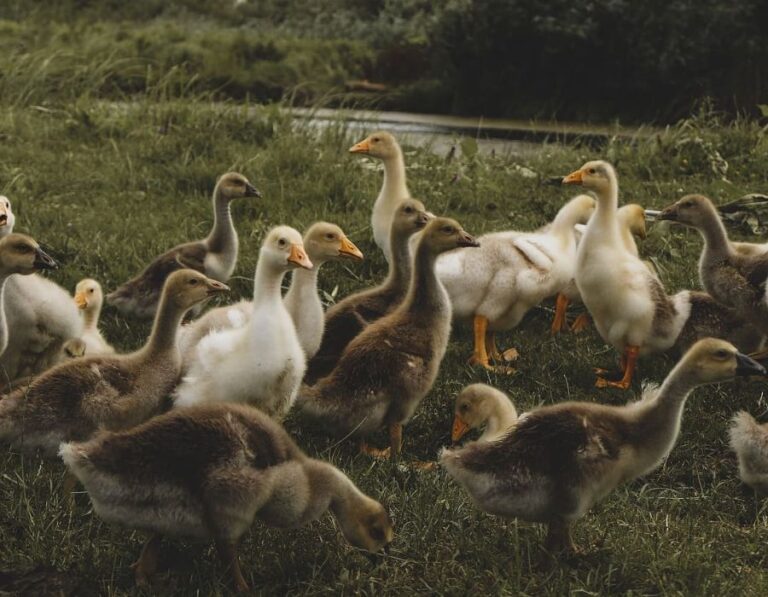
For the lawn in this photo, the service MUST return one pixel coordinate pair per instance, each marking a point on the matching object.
(107, 186)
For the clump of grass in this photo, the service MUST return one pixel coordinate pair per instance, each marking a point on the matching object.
(108, 187)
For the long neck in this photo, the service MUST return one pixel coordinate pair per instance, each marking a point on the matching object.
(3, 322)
(563, 226)
(425, 294)
(400, 268)
(266, 283)
(628, 239)
(394, 186)
(329, 489)
(605, 217)
(223, 236)
(715, 235)
(91, 316)
(303, 284)
(165, 328)
(661, 417)
(501, 420)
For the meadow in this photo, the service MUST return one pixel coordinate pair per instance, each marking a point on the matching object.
(105, 187)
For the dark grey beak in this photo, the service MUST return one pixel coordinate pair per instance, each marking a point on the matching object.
(43, 260)
(251, 191)
(669, 214)
(748, 366)
(652, 214)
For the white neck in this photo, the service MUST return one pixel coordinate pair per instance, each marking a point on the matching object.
(503, 417)
(603, 226)
(3, 322)
(394, 189)
(267, 281)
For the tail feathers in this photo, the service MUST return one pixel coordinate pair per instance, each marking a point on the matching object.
(749, 440)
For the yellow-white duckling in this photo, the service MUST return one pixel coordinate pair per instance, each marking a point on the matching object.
(207, 472)
(480, 405)
(19, 254)
(7, 217)
(75, 399)
(749, 439)
(384, 146)
(560, 460)
(512, 272)
(215, 255)
(323, 242)
(631, 225)
(262, 362)
(89, 298)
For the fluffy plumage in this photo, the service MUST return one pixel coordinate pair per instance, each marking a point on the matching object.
(560, 460)
(384, 146)
(76, 398)
(390, 366)
(347, 318)
(262, 362)
(208, 472)
(215, 256)
(89, 298)
(749, 440)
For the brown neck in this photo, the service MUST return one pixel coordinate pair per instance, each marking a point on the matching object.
(168, 318)
(425, 293)
(399, 275)
(223, 236)
(715, 235)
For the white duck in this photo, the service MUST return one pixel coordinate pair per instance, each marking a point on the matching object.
(496, 285)
(384, 146)
(89, 298)
(19, 254)
(626, 300)
(262, 362)
(40, 315)
(631, 224)
(323, 242)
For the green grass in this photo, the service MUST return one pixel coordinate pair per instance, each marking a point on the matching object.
(108, 187)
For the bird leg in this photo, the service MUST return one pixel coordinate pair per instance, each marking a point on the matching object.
(483, 346)
(629, 361)
(580, 324)
(228, 556)
(146, 566)
(480, 355)
(395, 441)
(374, 452)
(560, 321)
(559, 538)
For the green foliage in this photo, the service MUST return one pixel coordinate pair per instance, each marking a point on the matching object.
(108, 186)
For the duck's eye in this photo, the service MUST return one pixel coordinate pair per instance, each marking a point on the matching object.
(376, 139)
(330, 236)
(592, 171)
(722, 354)
(282, 242)
(8, 205)
(193, 282)
(23, 248)
(464, 407)
(448, 229)
(687, 203)
(408, 210)
(91, 291)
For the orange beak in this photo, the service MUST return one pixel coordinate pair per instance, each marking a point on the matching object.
(460, 428)
(80, 300)
(299, 257)
(363, 147)
(576, 177)
(348, 249)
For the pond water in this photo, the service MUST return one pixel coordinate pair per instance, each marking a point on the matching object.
(442, 133)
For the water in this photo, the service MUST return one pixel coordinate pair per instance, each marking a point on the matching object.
(442, 133)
